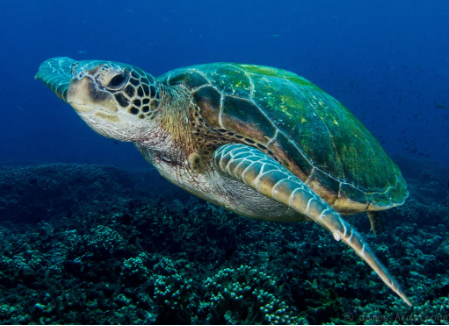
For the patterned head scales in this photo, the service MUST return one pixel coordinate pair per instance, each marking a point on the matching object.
(113, 98)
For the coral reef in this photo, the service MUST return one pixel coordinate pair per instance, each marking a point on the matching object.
(86, 244)
(245, 296)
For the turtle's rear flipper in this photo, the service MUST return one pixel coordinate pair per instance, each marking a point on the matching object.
(376, 221)
(263, 174)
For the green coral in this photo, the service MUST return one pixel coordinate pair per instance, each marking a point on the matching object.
(246, 296)
(135, 266)
(175, 297)
(105, 240)
(140, 260)
(7, 311)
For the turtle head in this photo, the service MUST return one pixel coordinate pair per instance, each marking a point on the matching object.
(117, 100)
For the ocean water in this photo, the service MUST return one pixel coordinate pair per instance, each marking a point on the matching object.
(387, 62)
(82, 216)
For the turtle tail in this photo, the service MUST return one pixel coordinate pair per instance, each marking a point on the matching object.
(56, 73)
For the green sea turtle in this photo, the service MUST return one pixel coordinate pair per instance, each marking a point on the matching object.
(262, 142)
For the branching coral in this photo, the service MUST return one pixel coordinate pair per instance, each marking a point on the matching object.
(246, 296)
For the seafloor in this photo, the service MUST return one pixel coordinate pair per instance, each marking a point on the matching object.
(83, 244)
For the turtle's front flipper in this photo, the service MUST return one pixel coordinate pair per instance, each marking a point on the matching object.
(263, 174)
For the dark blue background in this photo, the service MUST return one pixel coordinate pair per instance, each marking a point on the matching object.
(387, 61)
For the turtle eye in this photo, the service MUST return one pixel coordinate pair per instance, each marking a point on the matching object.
(117, 81)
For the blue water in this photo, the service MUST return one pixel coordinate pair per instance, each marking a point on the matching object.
(388, 62)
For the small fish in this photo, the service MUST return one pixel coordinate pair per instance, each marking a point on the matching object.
(439, 106)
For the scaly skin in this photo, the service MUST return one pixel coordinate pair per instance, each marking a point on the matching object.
(203, 131)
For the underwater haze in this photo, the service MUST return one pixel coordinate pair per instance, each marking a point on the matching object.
(388, 62)
(90, 233)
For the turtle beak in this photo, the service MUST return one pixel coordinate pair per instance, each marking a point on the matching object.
(56, 73)
(84, 96)
(79, 94)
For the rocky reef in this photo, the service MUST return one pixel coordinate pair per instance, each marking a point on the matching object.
(85, 244)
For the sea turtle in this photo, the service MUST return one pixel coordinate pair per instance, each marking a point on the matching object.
(262, 142)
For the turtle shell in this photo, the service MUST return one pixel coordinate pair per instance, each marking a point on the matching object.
(304, 128)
